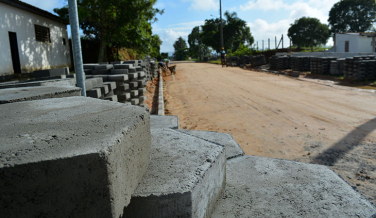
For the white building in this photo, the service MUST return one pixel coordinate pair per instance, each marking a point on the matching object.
(354, 42)
(31, 39)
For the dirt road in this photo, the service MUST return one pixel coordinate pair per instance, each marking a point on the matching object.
(280, 117)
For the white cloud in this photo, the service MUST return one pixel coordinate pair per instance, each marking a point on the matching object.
(170, 34)
(203, 5)
(262, 30)
(264, 5)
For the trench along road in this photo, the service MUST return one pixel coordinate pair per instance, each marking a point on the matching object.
(275, 116)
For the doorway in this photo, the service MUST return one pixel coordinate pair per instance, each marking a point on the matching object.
(14, 52)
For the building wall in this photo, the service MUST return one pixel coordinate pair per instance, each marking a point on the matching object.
(358, 43)
(34, 55)
(341, 40)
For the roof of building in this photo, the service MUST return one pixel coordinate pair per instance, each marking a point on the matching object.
(32, 9)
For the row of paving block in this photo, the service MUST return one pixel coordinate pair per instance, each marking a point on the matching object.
(127, 80)
(125, 163)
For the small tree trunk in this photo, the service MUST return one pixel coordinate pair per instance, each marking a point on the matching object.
(102, 51)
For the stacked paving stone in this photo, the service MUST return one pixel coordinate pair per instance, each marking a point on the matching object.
(229, 61)
(301, 63)
(153, 68)
(323, 65)
(360, 68)
(126, 81)
(280, 62)
(257, 60)
(235, 61)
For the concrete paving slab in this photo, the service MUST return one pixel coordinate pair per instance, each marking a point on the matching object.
(265, 187)
(233, 149)
(119, 71)
(36, 93)
(118, 77)
(112, 85)
(135, 101)
(94, 93)
(71, 157)
(185, 177)
(111, 98)
(123, 66)
(132, 75)
(141, 91)
(157, 121)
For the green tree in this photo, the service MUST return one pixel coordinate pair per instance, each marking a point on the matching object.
(235, 32)
(352, 16)
(194, 44)
(181, 50)
(117, 23)
(193, 41)
(164, 55)
(156, 43)
(308, 32)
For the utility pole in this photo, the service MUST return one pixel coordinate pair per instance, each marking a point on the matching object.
(269, 43)
(76, 42)
(199, 42)
(262, 45)
(220, 12)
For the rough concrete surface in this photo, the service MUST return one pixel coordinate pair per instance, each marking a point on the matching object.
(185, 177)
(35, 93)
(157, 121)
(264, 187)
(226, 140)
(71, 157)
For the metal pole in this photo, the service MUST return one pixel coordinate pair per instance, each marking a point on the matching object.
(199, 42)
(275, 45)
(282, 41)
(262, 45)
(269, 43)
(220, 12)
(77, 55)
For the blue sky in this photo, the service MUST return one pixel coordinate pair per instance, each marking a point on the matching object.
(266, 18)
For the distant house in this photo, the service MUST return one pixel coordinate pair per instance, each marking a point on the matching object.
(354, 42)
(31, 39)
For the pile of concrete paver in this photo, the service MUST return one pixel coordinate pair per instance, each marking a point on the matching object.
(280, 62)
(85, 157)
(257, 60)
(126, 80)
(360, 68)
(300, 63)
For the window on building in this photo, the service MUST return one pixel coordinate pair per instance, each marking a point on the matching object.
(42, 34)
(64, 43)
(347, 46)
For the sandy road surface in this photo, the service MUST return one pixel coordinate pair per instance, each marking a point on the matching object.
(281, 117)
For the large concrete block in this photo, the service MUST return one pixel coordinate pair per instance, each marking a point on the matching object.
(185, 177)
(134, 93)
(157, 121)
(265, 187)
(37, 93)
(233, 149)
(71, 157)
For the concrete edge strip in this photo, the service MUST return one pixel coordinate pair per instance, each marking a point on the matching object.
(160, 97)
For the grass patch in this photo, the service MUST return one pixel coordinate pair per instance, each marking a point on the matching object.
(218, 61)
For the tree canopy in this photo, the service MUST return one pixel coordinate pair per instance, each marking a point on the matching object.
(118, 23)
(194, 44)
(308, 32)
(181, 50)
(352, 16)
(235, 32)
